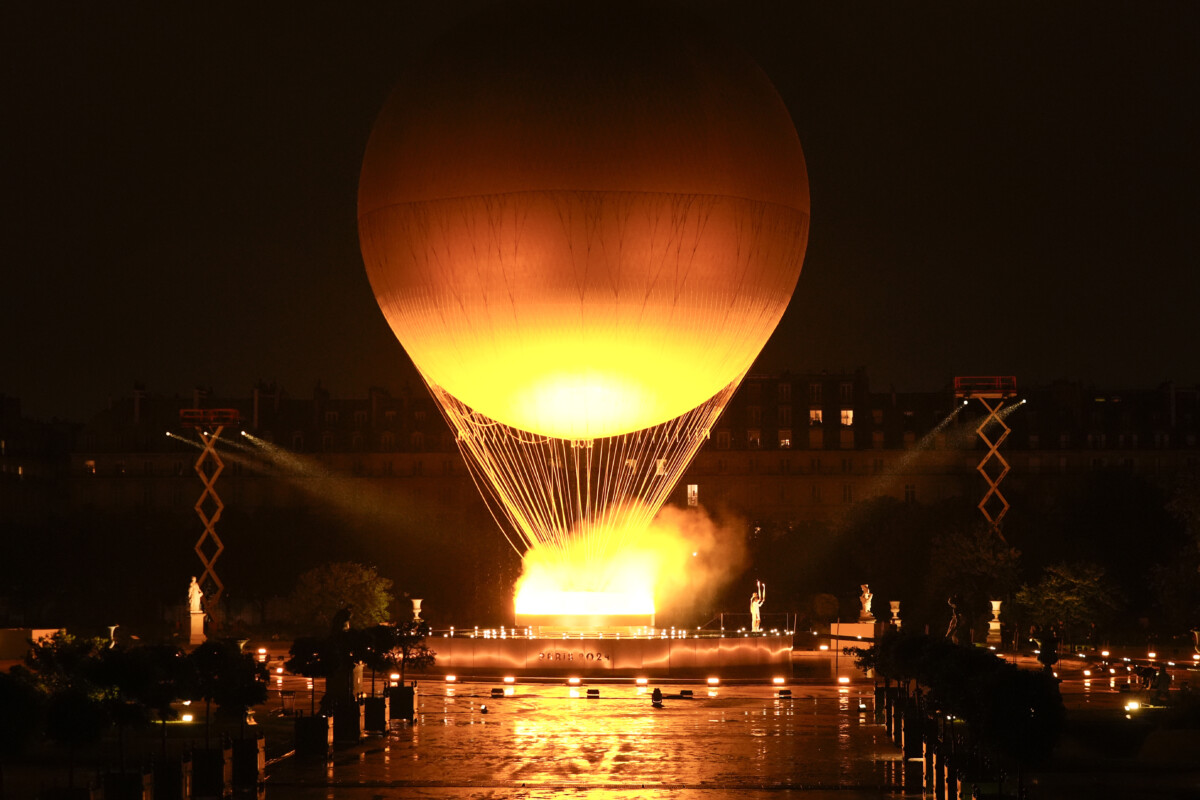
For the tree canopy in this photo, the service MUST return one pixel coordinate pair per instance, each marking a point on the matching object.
(322, 593)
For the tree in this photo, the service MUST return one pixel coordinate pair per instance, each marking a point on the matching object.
(322, 592)
(1068, 596)
(228, 677)
(976, 565)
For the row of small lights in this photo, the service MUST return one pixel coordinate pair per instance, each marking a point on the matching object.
(664, 633)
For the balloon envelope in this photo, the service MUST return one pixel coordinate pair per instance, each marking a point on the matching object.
(583, 227)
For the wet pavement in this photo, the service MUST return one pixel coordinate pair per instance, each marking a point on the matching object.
(547, 740)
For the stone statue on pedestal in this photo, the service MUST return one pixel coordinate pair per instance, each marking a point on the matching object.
(195, 597)
(196, 613)
(865, 615)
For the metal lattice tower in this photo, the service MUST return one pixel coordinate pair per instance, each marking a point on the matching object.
(996, 389)
(209, 423)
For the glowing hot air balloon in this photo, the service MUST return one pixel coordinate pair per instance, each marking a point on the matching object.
(583, 225)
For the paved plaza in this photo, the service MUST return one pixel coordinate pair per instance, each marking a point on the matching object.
(548, 740)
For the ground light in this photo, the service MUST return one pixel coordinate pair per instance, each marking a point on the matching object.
(843, 679)
(509, 679)
(778, 681)
(641, 681)
(714, 681)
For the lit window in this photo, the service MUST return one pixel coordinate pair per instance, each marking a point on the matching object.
(847, 416)
(631, 463)
(660, 467)
(693, 494)
(814, 416)
(785, 439)
(754, 438)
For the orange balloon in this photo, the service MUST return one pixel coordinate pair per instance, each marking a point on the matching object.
(581, 226)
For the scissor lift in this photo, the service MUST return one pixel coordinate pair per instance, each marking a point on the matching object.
(209, 424)
(991, 391)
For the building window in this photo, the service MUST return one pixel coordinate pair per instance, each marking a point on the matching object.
(297, 441)
(660, 467)
(388, 467)
(390, 415)
(754, 438)
(1033, 441)
(877, 416)
(877, 440)
(722, 440)
(360, 417)
(910, 438)
(785, 465)
(417, 441)
(785, 416)
(910, 493)
(847, 465)
(846, 392)
(326, 441)
(388, 441)
(877, 465)
(89, 467)
(693, 494)
(816, 493)
(785, 439)
(814, 416)
(847, 417)
(331, 416)
(356, 441)
(814, 393)
(754, 415)
(785, 392)
(419, 415)
(814, 464)
(847, 493)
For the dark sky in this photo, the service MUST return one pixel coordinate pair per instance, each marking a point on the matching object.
(1002, 188)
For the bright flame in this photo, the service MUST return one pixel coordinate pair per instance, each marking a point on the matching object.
(680, 558)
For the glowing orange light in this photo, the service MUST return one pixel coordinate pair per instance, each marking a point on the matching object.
(843, 679)
(713, 681)
(573, 681)
(451, 678)
(641, 681)
(778, 681)
(509, 679)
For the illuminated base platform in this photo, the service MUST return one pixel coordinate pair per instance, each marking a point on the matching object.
(591, 655)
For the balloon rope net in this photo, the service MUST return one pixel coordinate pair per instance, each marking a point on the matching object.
(563, 494)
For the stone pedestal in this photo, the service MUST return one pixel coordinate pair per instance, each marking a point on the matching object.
(196, 634)
(993, 637)
(895, 609)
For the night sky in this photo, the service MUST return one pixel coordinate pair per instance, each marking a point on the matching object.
(1002, 188)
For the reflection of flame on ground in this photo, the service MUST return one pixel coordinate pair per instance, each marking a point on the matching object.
(680, 557)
